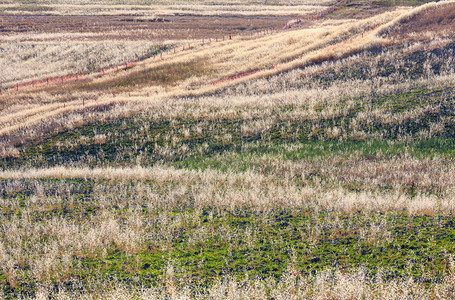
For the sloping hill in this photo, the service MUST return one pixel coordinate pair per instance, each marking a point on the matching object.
(311, 163)
(203, 69)
(435, 21)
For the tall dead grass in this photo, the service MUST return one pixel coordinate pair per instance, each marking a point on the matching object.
(51, 56)
(144, 8)
(230, 58)
(130, 216)
(272, 55)
(328, 284)
(254, 189)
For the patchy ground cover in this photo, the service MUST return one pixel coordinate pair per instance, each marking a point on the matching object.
(81, 235)
(31, 47)
(331, 179)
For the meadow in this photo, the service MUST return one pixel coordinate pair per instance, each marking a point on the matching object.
(315, 162)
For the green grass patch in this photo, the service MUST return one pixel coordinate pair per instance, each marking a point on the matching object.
(204, 244)
(247, 157)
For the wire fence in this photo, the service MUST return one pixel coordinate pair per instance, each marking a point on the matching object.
(163, 54)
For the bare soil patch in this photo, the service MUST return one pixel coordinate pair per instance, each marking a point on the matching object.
(159, 28)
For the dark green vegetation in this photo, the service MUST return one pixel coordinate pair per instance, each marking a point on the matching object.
(203, 244)
(410, 66)
(391, 3)
(415, 121)
(414, 118)
(234, 143)
(339, 184)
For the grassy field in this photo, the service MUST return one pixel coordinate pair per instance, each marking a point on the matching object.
(328, 173)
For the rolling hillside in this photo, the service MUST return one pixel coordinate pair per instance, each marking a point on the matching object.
(312, 160)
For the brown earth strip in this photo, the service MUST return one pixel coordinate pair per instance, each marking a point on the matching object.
(159, 28)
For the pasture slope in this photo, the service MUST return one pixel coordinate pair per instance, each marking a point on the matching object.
(310, 162)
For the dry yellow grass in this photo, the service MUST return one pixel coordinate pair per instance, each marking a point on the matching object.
(130, 210)
(268, 55)
(27, 57)
(168, 8)
(254, 189)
